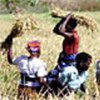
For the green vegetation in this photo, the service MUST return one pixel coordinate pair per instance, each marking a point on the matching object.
(15, 6)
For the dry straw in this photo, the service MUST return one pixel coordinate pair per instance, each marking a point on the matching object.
(85, 21)
(21, 26)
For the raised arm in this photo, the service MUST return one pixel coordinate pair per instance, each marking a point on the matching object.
(56, 28)
(60, 28)
(9, 51)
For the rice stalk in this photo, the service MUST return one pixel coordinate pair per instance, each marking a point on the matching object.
(21, 26)
(84, 21)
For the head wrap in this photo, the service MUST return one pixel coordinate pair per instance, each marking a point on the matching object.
(33, 46)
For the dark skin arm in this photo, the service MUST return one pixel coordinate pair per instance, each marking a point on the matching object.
(9, 51)
(56, 28)
(44, 82)
(60, 28)
(41, 79)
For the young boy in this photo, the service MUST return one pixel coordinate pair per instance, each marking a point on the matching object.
(66, 28)
(32, 68)
(75, 77)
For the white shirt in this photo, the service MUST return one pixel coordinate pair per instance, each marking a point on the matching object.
(71, 76)
(33, 67)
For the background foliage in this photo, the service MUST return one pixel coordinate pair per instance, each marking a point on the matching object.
(18, 5)
(50, 43)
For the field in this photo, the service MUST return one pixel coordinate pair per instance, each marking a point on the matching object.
(51, 45)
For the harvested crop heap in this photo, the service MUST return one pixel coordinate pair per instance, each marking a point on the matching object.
(88, 22)
(21, 26)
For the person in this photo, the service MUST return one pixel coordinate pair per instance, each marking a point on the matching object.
(98, 72)
(32, 68)
(74, 78)
(66, 28)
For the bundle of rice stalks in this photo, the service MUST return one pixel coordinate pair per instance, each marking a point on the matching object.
(21, 26)
(57, 12)
(85, 21)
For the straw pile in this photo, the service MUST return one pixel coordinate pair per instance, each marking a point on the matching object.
(85, 21)
(21, 26)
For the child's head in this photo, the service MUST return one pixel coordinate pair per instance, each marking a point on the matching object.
(33, 48)
(83, 60)
(71, 24)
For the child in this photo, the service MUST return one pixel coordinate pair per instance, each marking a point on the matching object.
(32, 68)
(66, 28)
(75, 77)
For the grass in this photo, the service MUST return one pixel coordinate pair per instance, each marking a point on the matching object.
(51, 45)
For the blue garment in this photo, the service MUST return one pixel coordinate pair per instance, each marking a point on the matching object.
(70, 57)
(53, 74)
(63, 61)
(71, 77)
(66, 60)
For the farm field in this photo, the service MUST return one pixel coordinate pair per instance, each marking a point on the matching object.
(51, 46)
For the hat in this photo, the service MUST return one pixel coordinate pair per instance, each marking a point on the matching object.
(33, 46)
